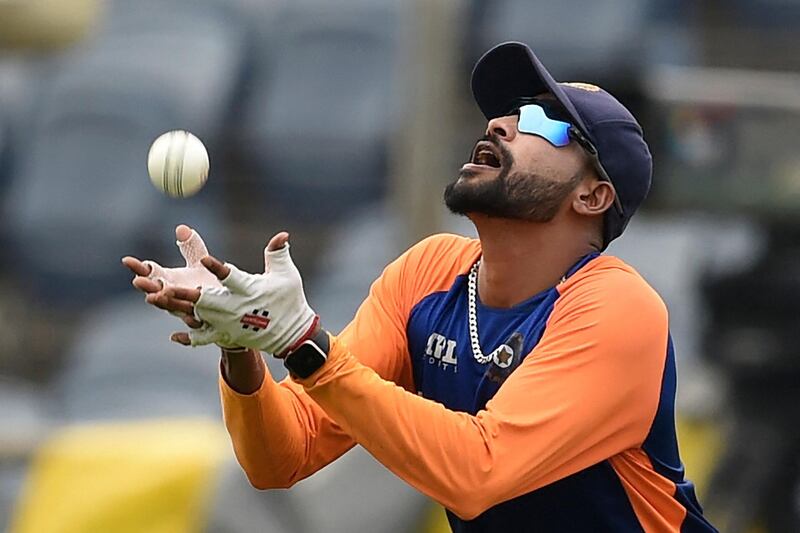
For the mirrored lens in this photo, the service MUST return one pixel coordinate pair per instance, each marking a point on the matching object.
(533, 120)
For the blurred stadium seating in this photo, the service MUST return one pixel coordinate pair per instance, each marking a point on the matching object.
(324, 105)
(592, 41)
(78, 191)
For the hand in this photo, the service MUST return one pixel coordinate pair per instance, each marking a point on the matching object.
(152, 277)
(267, 312)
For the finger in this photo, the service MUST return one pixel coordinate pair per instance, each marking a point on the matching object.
(236, 281)
(203, 337)
(181, 337)
(183, 293)
(181, 299)
(279, 260)
(278, 241)
(167, 303)
(158, 300)
(137, 267)
(147, 285)
(191, 321)
(183, 232)
(190, 244)
(156, 270)
(216, 267)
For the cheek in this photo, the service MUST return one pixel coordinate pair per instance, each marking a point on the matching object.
(537, 162)
(539, 157)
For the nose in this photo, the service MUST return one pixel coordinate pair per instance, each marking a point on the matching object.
(503, 127)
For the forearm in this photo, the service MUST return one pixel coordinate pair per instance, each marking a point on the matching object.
(242, 370)
(279, 435)
(267, 438)
(423, 443)
(535, 431)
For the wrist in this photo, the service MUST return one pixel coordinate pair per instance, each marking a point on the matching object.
(242, 370)
(232, 350)
(313, 329)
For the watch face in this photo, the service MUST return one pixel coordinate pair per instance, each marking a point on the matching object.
(305, 360)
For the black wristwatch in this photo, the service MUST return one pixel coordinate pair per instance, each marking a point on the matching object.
(309, 356)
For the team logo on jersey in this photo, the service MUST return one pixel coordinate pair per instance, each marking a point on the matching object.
(440, 352)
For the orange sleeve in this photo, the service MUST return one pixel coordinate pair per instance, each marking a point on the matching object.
(588, 391)
(280, 435)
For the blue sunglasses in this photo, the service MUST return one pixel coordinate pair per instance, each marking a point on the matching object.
(533, 120)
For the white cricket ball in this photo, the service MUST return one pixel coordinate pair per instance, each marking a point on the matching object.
(178, 164)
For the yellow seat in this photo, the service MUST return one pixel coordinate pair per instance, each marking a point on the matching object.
(153, 476)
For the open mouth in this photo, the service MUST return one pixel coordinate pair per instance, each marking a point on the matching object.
(486, 154)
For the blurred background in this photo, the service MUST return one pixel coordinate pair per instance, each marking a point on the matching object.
(342, 122)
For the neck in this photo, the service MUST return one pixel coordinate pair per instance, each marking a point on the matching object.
(521, 259)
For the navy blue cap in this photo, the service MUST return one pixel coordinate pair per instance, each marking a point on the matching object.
(510, 71)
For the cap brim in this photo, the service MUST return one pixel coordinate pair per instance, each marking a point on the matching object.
(511, 71)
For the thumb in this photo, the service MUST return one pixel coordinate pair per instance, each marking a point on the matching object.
(278, 242)
(191, 245)
(196, 337)
(216, 267)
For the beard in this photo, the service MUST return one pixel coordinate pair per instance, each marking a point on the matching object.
(512, 194)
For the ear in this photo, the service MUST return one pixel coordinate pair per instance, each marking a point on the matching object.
(593, 197)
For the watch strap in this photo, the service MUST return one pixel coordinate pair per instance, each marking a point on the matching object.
(312, 330)
(321, 339)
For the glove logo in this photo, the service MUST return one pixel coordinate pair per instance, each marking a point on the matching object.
(257, 320)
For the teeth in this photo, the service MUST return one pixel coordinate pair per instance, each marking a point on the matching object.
(485, 156)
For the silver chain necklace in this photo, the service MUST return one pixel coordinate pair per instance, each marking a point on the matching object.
(472, 290)
(472, 297)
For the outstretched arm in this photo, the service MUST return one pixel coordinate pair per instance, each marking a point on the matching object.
(280, 435)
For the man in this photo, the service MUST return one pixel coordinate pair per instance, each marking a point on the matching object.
(523, 380)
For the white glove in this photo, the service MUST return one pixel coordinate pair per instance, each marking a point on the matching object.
(266, 312)
(194, 274)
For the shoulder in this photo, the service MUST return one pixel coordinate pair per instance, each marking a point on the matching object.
(608, 285)
(443, 255)
(431, 265)
(445, 244)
